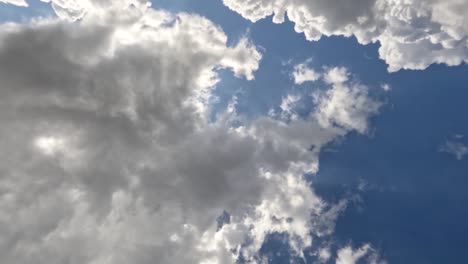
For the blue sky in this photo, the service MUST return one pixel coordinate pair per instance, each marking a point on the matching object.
(406, 197)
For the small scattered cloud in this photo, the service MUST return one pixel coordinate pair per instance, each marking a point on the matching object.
(348, 255)
(324, 254)
(303, 73)
(288, 105)
(336, 75)
(386, 87)
(455, 147)
(346, 104)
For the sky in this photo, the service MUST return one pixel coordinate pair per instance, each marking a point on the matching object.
(233, 131)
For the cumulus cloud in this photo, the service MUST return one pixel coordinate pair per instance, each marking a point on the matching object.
(413, 34)
(455, 147)
(110, 155)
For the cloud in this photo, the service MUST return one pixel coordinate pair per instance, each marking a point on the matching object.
(347, 104)
(413, 34)
(348, 255)
(243, 59)
(386, 87)
(288, 106)
(302, 73)
(73, 10)
(324, 254)
(456, 148)
(15, 2)
(336, 75)
(110, 155)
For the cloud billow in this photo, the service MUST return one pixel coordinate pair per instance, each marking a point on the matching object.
(412, 34)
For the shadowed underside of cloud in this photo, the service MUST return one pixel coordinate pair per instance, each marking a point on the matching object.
(109, 154)
(413, 34)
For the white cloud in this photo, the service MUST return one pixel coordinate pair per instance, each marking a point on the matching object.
(336, 75)
(110, 155)
(347, 255)
(346, 104)
(386, 87)
(324, 254)
(302, 73)
(456, 148)
(73, 10)
(49, 145)
(413, 34)
(15, 2)
(243, 59)
(288, 106)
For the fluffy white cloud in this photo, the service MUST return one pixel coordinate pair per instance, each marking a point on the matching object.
(454, 147)
(110, 155)
(413, 33)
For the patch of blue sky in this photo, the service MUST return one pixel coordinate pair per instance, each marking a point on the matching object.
(414, 197)
(36, 8)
